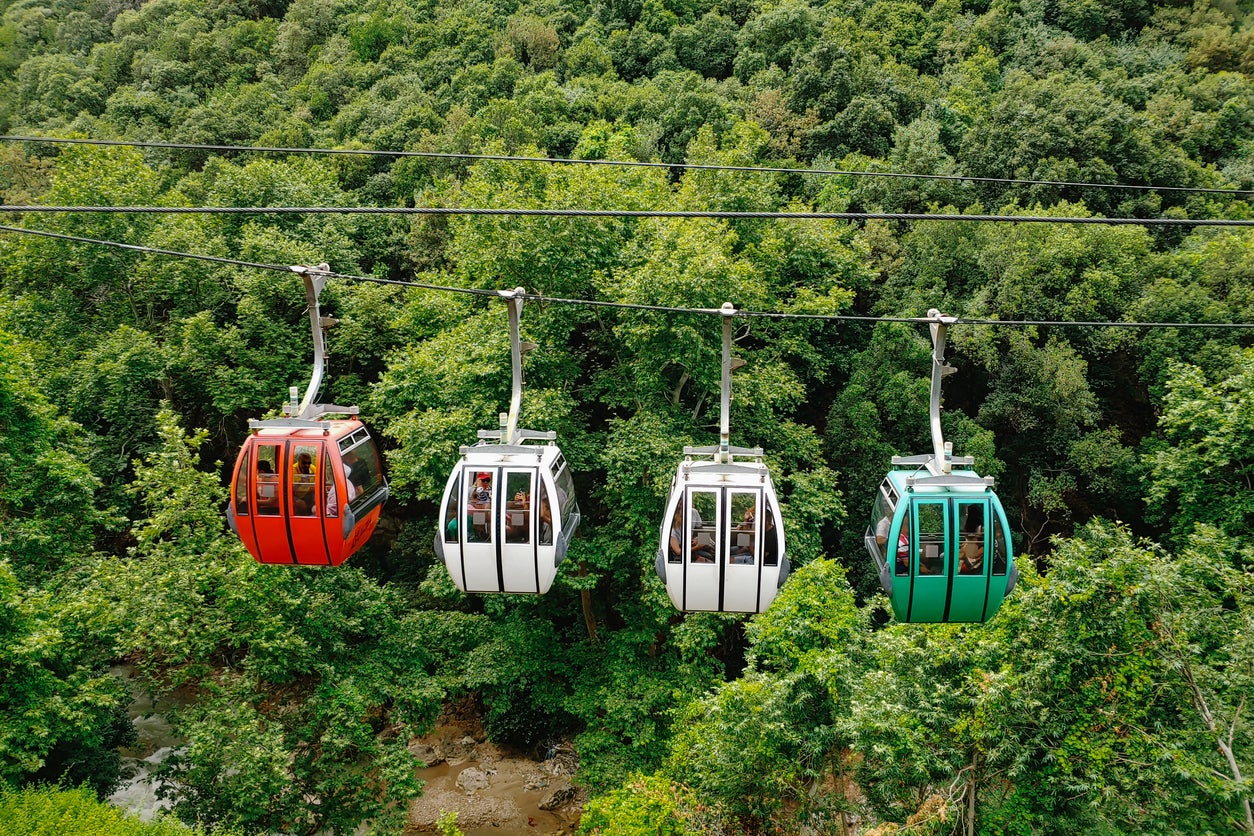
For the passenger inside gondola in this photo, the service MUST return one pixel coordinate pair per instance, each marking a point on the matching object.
(267, 482)
(699, 552)
(742, 542)
(677, 535)
(971, 551)
(450, 528)
(480, 511)
(354, 471)
(304, 485)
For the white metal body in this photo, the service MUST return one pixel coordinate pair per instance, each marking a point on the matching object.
(711, 556)
(509, 533)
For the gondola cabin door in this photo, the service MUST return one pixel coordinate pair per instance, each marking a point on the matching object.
(958, 556)
(500, 531)
(728, 560)
(971, 583)
(930, 592)
(290, 480)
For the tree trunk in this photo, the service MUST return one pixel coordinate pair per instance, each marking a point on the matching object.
(679, 388)
(585, 600)
(971, 785)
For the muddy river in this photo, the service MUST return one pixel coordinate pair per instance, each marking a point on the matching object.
(492, 791)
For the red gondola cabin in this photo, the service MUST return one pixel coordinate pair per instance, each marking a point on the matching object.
(306, 492)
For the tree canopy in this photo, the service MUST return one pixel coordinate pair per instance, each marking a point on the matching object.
(1108, 695)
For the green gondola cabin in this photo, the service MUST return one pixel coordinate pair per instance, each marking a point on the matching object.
(941, 544)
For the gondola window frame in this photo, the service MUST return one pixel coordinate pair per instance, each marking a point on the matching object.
(921, 540)
(273, 482)
(243, 489)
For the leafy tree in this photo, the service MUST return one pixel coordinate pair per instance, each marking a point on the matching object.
(1201, 473)
(60, 709)
(707, 46)
(645, 805)
(760, 748)
(48, 811)
(310, 681)
(1066, 129)
(62, 290)
(1109, 704)
(775, 36)
(47, 491)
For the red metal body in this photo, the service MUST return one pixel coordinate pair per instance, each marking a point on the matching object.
(309, 496)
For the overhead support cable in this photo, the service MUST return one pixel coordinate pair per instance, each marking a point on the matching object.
(442, 155)
(600, 303)
(620, 213)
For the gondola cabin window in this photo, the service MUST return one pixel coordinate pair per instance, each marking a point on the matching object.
(703, 525)
(930, 523)
(479, 509)
(546, 517)
(999, 550)
(451, 522)
(518, 507)
(566, 509)
(971, 542)
(742, 546)
(896, 554)
(770, 537)
(241, 488)
(268, 480)
(362, 469)
(304, 480)
(332, 492)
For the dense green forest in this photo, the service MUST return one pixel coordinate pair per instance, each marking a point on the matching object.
(1108, 696)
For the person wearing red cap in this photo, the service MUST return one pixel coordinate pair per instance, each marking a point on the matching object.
(482, 491)
(480, 510)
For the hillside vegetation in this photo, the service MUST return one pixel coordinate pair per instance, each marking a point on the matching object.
(1108, 696)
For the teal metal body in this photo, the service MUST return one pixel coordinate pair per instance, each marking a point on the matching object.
(941, 544)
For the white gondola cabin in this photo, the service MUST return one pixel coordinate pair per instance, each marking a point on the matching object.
(722, 540)
(508, 515)
(721, 543)
(509, 508)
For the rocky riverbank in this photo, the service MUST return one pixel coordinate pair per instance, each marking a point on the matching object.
(492, 791)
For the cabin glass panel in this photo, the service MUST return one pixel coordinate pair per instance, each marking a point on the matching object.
(677, 541)
(882, 512)
(241, 487)
(518, 508)
(971, 539)
(903, 548)
(770, 536)
(546, 516)
(742, 535)
(450, 511)
(333, 492)
(479, 504)
(703, 524)
(999, 548)
(361, 466)
(566, 505)
(930, 523)
(304, 480)
(268, 480)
